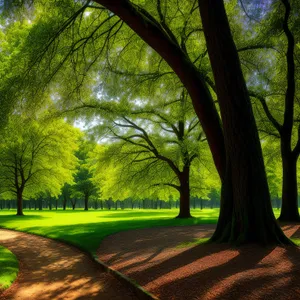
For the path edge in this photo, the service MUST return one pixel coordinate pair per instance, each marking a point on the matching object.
(138, 290)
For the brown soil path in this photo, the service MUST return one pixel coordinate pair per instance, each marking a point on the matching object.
(52, 270)
(153, 259)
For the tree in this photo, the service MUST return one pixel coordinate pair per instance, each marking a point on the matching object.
(279, 90)
(246, 214)
(34, 157)
(84, 185)
(160, 146)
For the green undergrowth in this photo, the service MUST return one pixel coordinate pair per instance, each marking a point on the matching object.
(9, 268)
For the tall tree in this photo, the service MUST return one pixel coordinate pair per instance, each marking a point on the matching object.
(159, 147)
(282, 93)
(246, 214)
(34, 158)
(239, 170)
(84, 185)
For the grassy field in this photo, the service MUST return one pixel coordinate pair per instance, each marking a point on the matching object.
(87, 229)
(9, 267)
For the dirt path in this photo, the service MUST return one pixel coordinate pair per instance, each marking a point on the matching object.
(153, 259)
(52, 270)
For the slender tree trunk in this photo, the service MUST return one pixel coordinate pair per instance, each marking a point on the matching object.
(246, 213)
(20, 203)
(86, 202)
(201, 203)
(64, 205)
(73, 206)
(40, 204)
(184, 202)
(289, 209)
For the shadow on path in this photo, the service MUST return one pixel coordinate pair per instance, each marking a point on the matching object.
(52, 270)
(207, 271)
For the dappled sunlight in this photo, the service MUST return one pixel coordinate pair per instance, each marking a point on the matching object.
(70, 288)
(52, 270)
(199, 265)
(203, 271)
(272, 265)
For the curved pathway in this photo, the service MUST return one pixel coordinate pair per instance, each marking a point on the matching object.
(210, 271)
(53, 270)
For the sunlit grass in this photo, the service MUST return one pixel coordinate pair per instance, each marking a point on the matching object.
(87, 229)
(9, 268)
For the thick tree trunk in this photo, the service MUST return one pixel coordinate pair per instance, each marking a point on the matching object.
(246, 213)
(184, 201)
(86, 202)
(289, 209)
(20, 203)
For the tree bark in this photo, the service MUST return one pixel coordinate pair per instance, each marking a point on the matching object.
(64, 204)
(246, 214)
(184, 201)
(20, 203)
(289, 209)
(86, 202)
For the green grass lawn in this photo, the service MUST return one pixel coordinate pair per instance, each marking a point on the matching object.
(9, 268)
(87, 229)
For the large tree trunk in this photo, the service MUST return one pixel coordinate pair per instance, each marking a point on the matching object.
(246, 213)
(20, 203)
(184, 201)
(289, 209)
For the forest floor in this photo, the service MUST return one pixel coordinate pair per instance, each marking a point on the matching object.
(53, 270)
(171, 263)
